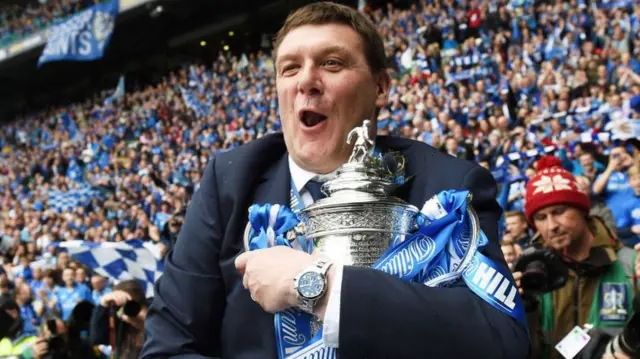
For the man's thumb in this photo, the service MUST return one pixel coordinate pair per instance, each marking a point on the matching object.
(241, 261)
(637, 247)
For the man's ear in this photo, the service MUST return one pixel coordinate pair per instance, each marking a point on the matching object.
(383, 86)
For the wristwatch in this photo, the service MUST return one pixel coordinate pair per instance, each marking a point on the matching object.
(311, 284)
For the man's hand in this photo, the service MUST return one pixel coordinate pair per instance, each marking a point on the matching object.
(517, 277)
(616, 159)
(137, 321)
(635, 229)
(40, 348)
(269, 273)
(117, 298)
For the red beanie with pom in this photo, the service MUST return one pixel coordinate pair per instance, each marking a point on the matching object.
(553, 185)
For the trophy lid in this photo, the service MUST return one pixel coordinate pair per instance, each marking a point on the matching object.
(362, 180)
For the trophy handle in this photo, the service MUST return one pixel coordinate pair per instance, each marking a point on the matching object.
(467, 259)
(245, 238)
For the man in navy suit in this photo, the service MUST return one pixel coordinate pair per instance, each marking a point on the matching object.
(216, 300)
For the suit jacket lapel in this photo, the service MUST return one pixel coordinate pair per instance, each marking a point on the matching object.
(275, 184)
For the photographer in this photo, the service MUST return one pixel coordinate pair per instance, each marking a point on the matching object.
(51, 344)
(14, 340)
(583, 273)
(119, 318)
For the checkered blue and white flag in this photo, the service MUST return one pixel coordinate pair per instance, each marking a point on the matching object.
(64, 201)
(133, 259)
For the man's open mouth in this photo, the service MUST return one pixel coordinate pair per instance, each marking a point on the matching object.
(310, 118)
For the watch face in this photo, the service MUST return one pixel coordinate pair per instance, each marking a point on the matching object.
(310, 285)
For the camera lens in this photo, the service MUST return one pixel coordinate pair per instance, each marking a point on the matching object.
(535, 276)
(131, 308)
(630, 338)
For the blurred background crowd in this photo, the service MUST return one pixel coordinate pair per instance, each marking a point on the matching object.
(497, 82)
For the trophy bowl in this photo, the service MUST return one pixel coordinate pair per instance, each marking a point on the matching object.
(359, 233)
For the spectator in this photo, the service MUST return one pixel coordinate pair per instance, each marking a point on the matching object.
(66, 297)
(100, 287)
(511, 251)
(16, 342)
(517, 228)
(30, 319)
(630, 221)
(132, 328)
(613, 183)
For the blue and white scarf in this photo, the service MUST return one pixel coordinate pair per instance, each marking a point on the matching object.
(435, 255)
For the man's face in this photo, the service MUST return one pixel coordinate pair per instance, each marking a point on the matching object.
(24, 293)
(516, 226)
(452, 145)
(68, 276)
(37, 273)
(559, 225)
(586, 161)
(325, 89)
(63, 259)
(81, 275)
(509, 254)
(98, 282)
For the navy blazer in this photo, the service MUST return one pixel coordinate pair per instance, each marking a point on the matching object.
(201, 309)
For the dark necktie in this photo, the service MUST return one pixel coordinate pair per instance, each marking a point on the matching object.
(314, 188)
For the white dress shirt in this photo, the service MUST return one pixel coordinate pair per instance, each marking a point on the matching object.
(331, 323)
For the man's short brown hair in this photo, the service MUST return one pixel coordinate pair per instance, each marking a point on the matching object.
(321, 13)
(515, 214)
(507, 243)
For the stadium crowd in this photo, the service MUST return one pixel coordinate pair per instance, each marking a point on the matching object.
(496, 82)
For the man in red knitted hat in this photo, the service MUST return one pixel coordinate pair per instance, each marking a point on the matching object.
(599, 290)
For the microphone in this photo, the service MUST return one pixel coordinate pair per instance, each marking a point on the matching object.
(390, 163)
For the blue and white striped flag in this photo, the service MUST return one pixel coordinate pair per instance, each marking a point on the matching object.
(133, 259)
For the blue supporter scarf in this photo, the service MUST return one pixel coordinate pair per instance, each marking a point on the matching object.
(434, 256)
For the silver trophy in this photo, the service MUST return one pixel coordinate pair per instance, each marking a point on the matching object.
(360, 218)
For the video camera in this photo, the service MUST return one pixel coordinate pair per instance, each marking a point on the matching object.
(626, 342)
(542, 271)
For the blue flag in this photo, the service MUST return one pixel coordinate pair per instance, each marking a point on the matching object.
(117, 94)
(83, 37)
(74, 171)
(132, 259)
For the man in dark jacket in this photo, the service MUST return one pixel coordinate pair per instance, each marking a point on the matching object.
(215, 301)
